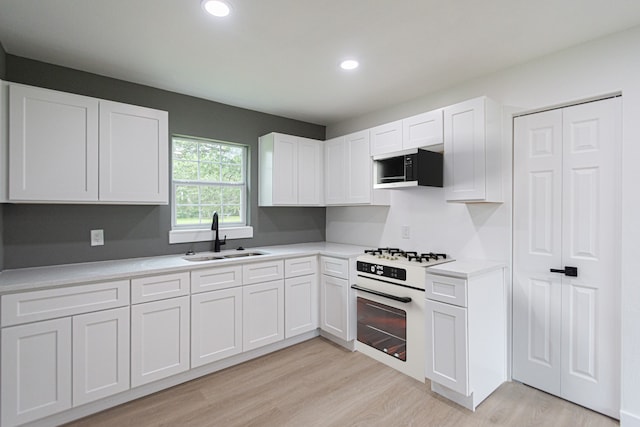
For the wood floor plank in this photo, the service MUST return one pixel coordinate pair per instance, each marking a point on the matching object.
(317, 383)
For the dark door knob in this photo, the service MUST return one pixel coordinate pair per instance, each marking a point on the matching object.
(568, 271)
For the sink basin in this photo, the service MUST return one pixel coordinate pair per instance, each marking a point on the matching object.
(202, 258)
(243, 254)
(219, 257)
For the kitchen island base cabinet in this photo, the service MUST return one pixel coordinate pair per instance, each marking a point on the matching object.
(159, 339)
(262, 314)
(216, 325)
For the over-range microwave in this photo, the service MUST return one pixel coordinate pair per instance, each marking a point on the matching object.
(408, 168)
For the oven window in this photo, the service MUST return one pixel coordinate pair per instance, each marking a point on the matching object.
(383, 327)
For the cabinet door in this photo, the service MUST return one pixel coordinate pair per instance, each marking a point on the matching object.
(335, 173)
(216, 325)
(301, 304)
(134, 150)
(310, 174)
(159, 340)
(422, 130)
(53, 146)
(36, 370)
(386, 138)
(464, 151)
(447, 351)
(285, 170)
(262, 314)
(100, 354)
(334, 306)
(359, 168)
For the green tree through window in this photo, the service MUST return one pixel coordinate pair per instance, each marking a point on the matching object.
(208, 176)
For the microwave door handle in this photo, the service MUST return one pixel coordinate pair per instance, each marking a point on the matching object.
(404, 300)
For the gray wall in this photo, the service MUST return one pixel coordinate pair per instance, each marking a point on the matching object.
(37, 235)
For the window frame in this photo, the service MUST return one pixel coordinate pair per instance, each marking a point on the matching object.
(181, 233)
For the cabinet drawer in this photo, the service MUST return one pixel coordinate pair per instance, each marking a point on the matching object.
(213, 279)
(155, 288)
(51, 303)
(295, 267)
(262, 272)
(335, 267)
(445, 289)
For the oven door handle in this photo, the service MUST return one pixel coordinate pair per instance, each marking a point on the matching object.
(382, 294)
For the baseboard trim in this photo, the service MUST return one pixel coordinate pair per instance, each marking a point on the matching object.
(627, 419)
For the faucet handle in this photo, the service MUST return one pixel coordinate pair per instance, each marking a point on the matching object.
(224, 241)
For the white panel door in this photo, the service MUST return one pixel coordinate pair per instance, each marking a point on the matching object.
(159, 339)
(53, 145)
(334, 300)
(134, 150)
(262, 314)
(36, 370)
(301, 304)
(216, 325)
(285, 170)
(575, 218)
(447, 356)
(310, 174)
(537, 248)
(100, 354)
(359, 168)
(335, 174)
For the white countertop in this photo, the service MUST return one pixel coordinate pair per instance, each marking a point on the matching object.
(25, 279)
(465, 268)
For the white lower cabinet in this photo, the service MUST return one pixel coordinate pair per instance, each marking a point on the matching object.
(159, 339)
(52, 365)
(301, 304)
(262, 314)
(216, 325)
(465, 315)
(334, 306)
(447, 346)
(100, 354)
(36, 370)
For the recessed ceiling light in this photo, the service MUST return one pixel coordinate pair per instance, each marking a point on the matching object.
(349, 64)
(216, 7)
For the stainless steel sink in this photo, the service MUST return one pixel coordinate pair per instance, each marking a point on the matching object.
(243, 254)
(203, 258)
(220, 257)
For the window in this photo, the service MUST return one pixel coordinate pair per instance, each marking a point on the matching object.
(208, 176)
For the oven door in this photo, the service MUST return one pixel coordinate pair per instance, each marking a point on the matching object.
(390, 325)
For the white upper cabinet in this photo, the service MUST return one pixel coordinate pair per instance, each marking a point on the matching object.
(290, 171)
(386, 138)
(134, 163)
(420, 131)
(53, 146)
(348, 172)
(4, 140)
(423, 130)
(472, 151)
(70, 148)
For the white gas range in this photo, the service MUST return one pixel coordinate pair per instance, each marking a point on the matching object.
(390, 290)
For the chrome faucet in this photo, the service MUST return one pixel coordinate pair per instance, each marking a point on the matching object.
(214, 227)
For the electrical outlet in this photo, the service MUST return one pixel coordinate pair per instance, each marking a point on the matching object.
(405, 231)
(97, 237)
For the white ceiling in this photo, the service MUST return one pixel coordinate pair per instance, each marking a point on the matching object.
(281, 56)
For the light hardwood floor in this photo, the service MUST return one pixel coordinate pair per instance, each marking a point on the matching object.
(317, 383)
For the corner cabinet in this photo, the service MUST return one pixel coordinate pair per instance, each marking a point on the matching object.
(67, 148)
(290, 171)
(349, 173)
(472, 151)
